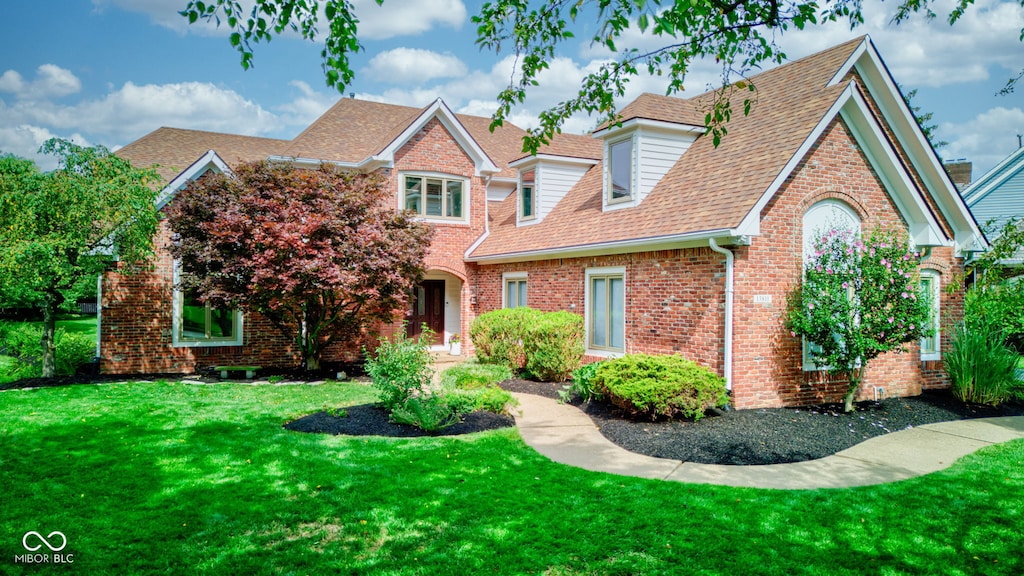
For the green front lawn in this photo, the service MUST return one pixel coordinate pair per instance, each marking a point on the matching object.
(174, 478)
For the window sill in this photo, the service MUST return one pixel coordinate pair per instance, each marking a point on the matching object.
(206, 343)
(447, 221)
(604, 353)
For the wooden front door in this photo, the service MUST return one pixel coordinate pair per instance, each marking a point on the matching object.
(428, 308)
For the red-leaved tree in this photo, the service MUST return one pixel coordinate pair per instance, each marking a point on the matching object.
(320, 253)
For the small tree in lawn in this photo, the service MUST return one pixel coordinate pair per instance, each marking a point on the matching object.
(320, 253)
(61, 229)
(858, 300)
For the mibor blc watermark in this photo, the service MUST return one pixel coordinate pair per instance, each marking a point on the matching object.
(34, 544)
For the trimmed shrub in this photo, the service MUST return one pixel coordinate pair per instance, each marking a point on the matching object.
(660, 386)
(490, 398)
(498, 336)
(400, 369)
(981, 367)
(474, 375)
(554, 346)
(582, 384)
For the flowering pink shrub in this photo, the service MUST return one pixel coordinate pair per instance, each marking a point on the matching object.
(858, 300)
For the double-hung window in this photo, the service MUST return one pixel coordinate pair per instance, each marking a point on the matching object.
(514, 290)
(606, 310)
(930, 347)
(434, 197)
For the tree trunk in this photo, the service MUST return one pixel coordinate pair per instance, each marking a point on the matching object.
(856, 375)
(49, 332)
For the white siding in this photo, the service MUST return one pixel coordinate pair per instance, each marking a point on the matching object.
(657, 154)
(554, 182)
(1003, 202)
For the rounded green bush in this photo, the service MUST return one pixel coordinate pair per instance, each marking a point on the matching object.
(498, 336)
(553, 346)
(660, 386)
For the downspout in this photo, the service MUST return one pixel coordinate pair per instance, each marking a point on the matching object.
(729, 268)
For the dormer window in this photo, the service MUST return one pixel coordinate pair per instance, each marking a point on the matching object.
(620, 171)
(527, 195)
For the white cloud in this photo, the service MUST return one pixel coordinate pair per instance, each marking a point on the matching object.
(405, 65)
(307, 107)
(923, 52)
(131, 111)
(406, 17)
(24, 141)
(51, 82)
(985, 139)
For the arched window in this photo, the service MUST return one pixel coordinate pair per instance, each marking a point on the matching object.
(824, 216)
(818, 220)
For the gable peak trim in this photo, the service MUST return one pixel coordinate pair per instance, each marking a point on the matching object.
(210, 158)
(440, 110)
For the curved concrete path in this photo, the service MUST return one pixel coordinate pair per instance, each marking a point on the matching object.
(565, 434)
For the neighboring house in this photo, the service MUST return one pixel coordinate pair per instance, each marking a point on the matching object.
(998, 196)
(663, 242)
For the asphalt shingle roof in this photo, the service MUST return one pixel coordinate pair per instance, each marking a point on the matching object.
(172, 150)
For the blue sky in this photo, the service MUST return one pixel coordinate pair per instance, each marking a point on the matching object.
(109, 71)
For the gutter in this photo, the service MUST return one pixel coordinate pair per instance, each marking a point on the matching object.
(604, 248)
(729, 273)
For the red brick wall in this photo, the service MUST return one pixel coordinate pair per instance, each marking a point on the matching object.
(674, 298)
(136, 317)
(136, 327)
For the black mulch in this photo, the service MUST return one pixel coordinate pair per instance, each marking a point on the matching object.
(770, 436)
(367, 419)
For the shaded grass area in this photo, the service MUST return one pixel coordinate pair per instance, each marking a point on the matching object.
(173, 478)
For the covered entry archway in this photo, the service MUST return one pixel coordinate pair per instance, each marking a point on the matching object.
(436, 304)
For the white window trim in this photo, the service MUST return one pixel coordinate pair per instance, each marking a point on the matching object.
(604, 271)
(176, 312)
(464, 219)
(534, 200)
(505, 278)
(631, 200)
(936, 307)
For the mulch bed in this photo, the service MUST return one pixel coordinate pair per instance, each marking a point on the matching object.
(370, 420)
(771, 435)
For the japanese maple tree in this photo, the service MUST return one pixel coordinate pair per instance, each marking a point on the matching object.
(321, 253)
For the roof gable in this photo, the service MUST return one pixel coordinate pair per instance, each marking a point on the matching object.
(1010, 168)
(440, 111)
(365, 135)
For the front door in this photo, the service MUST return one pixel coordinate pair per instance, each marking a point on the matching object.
(428, 308)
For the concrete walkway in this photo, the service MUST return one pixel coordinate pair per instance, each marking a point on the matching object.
(565, 434)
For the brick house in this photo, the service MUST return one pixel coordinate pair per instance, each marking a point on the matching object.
(663, 242)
